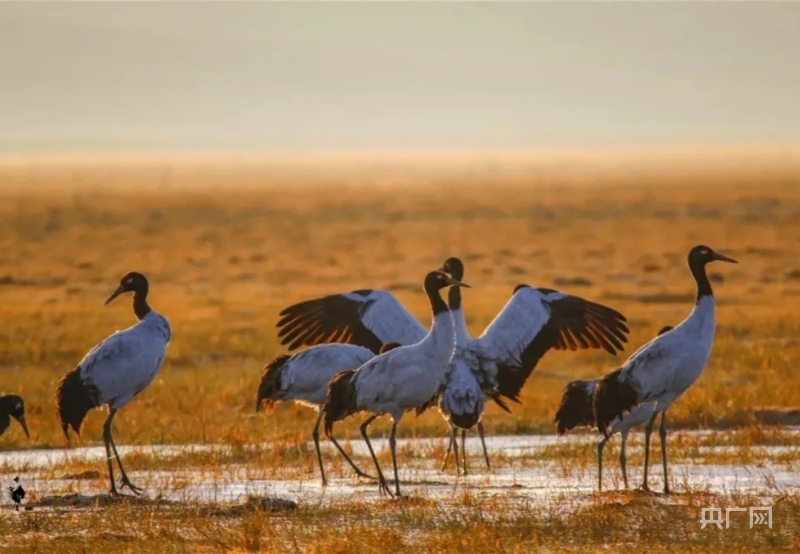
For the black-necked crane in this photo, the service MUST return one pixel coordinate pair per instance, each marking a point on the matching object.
(576, 410)
(12, 405)
(115, 371)
(304, 377)
(533, 321)
(400, 379)
(664, 368)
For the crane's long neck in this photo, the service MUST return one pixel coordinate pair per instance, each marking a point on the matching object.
(701, 320)
(140, 306)
(441, 339)
(459, 320)
(701, 279)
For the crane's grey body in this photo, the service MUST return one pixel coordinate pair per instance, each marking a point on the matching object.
(664, 368)
(125, 363)
(305, 375)
(403, 378)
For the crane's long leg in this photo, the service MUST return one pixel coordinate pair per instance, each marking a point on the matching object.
(622, 458)
(662, 431)
(393, 446)
(125, 481)
(110, 461)
(454, 442)
(647, 431)
(382, 485)
(449, 448)
(600, 446)
(315, 434)
(339, 448)
(464, 450)
(483, 443)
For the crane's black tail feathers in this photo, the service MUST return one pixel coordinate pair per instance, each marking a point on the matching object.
(341, 401)
(74, 399)
(612, 398)
(270, 384)
(575, 408)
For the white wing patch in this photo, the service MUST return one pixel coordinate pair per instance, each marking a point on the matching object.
(387, 318)
(507, 336)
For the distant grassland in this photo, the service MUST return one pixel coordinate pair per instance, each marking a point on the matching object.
(226, 248)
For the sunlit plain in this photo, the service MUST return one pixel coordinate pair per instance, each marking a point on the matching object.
(225, 248)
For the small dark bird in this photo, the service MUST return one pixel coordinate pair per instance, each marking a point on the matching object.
(17, 493)
(12, 405)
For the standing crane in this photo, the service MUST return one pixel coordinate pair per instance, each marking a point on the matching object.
(576, 410)
(664, 368)
(115, 371)
(400, 379)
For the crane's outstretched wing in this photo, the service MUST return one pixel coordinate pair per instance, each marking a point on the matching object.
(368, 318)
(535, 321)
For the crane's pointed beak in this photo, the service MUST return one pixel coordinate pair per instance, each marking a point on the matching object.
(120, 290)
(24, 426)
(720, 257)
(457, 283)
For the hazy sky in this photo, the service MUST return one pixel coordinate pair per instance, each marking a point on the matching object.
(295, 76)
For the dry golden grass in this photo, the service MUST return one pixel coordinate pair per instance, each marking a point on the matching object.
(225, 250)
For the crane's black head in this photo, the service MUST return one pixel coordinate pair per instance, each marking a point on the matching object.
(131, 282)
(700, 255)
(454, 267)
(14, 406)
(437, 280)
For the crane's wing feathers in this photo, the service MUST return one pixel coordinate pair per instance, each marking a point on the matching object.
(537, 320)
(367, 318)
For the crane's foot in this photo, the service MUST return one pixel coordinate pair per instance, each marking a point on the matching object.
(383, 488)
(125, 482)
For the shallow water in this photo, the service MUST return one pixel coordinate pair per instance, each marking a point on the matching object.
(539, 483)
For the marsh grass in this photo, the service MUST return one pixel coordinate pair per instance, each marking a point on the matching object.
(226, 249)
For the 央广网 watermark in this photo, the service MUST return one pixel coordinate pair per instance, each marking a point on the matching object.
(759, 515)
